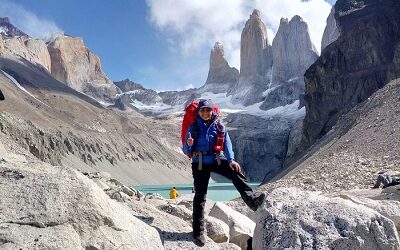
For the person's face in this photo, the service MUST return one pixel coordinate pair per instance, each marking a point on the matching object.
(205, 114)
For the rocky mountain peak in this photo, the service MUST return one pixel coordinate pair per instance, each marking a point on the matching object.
(256, 14)
(217, 51)
(74, 64)
(297, 18)
(255, 61)
(220, 72)
(128, 85)
(4, 20)
(9, 30)
(283, 21)
(293, 51)
(331, 31)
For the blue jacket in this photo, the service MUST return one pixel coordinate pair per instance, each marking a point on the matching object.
(205, 141)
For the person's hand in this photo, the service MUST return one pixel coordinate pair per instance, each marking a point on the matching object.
(234, 166)
(189, 140)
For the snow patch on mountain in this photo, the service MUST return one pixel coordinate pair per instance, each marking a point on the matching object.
(158, 107)
(225, 104)
(3, 30)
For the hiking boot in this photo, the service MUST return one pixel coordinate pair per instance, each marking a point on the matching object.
(256, 201)
(199, 239)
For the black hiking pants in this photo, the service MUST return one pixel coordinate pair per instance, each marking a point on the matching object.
(201, 178)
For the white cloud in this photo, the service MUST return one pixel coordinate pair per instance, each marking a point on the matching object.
(27, 21)
(195, 25)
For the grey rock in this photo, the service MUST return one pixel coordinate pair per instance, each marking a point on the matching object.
(284, 94)
(137, 92)
(123, 102)
(175, 232)
(220, 75)
(150, 196)
(331, 31)
(217, 230)
(241, 228)
(363, 59)
(293, 51)
(32, 50)
(388, 208)
(295, 219)
(295, 138)
(128, 85)
(353, 152)
(259, 144)
(121, 197)
(49, 202)
(255, 62)
(179, 97)
(177, 210)
(64, 127)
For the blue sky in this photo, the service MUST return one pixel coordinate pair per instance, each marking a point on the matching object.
(162, 44)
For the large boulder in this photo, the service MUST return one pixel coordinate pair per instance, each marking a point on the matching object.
(388, 208)
(294, 219)
(175, 232)
(217, 230)
(241, 228)
(47, 207)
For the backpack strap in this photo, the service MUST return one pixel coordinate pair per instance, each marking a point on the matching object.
(219, 127)
(195, 130)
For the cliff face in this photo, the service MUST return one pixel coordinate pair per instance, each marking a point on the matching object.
(255, 51)
(135, 92)
(32, 50)
(255, 62)
(220, 72)
(293, 51)
(331, 32)
(363, 59)
(74, 64)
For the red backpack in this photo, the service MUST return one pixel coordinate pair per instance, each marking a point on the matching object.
(190, 117)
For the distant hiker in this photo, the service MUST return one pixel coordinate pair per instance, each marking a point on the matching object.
(193, 190)
(386, 180)
(1, 96)
(210, 147)
(173, 193)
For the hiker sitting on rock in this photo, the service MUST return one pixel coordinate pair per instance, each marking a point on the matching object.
(210, 147)
(386, 180)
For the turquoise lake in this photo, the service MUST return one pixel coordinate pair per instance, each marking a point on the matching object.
(216, 191)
